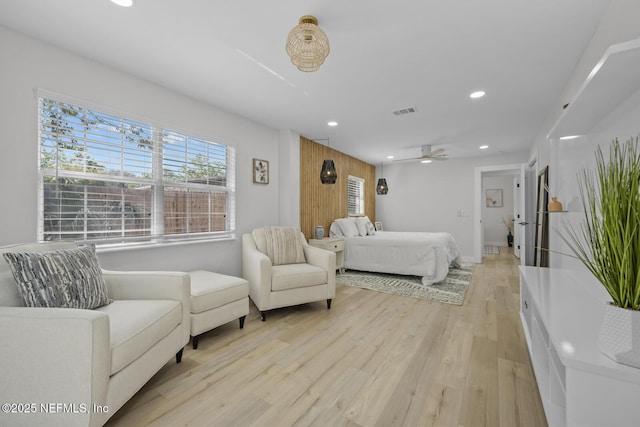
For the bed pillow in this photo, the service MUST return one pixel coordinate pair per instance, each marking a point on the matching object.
(348, 227)
(69, 278)
(361, 223)
(334, 230)
(371, 230)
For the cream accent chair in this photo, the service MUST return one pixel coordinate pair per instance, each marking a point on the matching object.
(81, 358)
(289, 284)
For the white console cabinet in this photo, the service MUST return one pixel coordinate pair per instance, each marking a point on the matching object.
(561, 312)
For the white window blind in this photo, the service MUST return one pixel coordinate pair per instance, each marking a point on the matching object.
(355, 195)
(106, 179)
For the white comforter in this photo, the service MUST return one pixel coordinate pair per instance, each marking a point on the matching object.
(419, 254)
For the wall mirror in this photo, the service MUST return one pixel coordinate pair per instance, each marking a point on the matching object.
(541, 247)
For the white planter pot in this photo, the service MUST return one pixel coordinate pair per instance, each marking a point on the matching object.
(619, 336)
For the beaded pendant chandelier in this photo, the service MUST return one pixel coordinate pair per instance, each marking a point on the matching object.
(307, 45)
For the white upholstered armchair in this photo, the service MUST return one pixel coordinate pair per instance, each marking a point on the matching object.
(89, 360)
(283, 270)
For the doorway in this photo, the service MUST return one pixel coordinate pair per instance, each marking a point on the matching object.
(520, 223)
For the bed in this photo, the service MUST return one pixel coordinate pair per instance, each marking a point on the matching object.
(410, 253)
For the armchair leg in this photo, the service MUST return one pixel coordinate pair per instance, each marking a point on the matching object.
(329, 304)
(194, 342)
(263, 316)
(241, 320)
(179, 356)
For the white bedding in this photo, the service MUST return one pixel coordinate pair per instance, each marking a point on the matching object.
(412, 253)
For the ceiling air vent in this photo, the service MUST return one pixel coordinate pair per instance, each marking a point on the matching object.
(403, 111)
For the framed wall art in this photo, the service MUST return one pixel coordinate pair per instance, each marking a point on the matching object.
(260, 171)
(494, 198)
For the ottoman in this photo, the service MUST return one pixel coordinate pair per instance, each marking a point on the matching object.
(215, 300)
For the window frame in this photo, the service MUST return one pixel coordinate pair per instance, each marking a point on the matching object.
(359, 195)
(219, 187)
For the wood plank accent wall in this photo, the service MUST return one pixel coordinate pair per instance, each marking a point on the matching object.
(321, 203)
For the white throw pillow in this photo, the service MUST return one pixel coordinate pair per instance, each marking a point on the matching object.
(371, 230)
(348, 227)
(335, 230)
(361, 223)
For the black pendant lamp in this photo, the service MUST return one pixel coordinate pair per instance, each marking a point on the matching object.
(382, 188)
(328, 174)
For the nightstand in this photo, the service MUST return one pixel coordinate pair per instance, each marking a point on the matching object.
(333, 244)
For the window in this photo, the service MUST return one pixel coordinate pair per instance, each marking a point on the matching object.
(355, 195)
(109, 180)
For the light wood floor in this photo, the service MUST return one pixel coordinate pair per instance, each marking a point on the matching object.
(372, 360)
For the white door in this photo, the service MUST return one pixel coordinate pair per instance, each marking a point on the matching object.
(519, 215)
(517, 189)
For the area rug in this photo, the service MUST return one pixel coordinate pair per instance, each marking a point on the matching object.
(451, 290)
(491, 249)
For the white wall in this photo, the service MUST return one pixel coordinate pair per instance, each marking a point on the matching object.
(566, 158)
(290, 179)
(619, 24)
(28, 65)
(431, 197)
(572, 156)
(495, 231)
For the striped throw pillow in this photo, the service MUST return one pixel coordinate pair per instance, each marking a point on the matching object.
(284, 245)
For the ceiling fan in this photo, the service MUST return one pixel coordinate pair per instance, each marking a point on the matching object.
(428, 154)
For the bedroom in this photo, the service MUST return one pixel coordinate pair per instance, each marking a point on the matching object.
(84, 79)
(79, 77)
(70, 74)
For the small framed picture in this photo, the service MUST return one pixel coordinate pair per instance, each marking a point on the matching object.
(260, 171)
(379, 226)
(494, 198)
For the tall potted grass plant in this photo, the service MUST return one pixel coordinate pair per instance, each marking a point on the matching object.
(608, 244)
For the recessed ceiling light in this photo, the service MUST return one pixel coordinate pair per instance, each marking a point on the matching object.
(389, 157)
(565, 138)
(123, 3)
(426, 161)
(332, 123)
(477, 94)
(484, 147)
